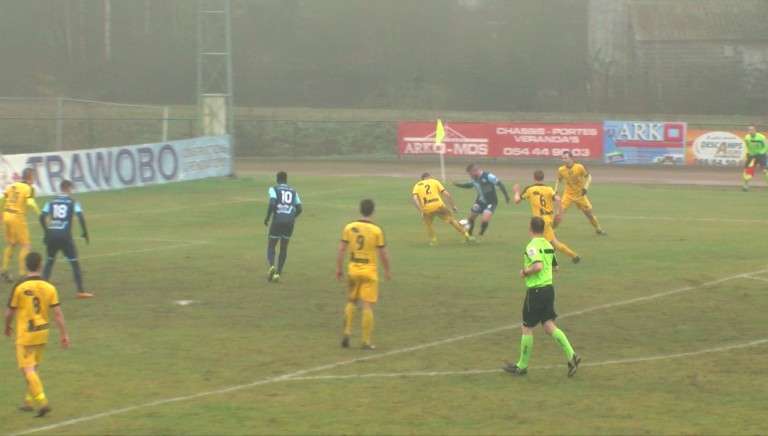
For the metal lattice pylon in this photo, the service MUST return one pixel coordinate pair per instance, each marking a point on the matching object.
(215, 104)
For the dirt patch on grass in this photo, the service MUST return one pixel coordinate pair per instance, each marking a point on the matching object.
(509, 171)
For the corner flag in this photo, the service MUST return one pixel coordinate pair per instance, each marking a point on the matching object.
(439, 132)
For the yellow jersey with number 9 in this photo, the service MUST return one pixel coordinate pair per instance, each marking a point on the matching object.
(363, 238)
(16, 196)
(31, 299)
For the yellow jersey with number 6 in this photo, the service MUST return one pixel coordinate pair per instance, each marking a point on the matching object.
(542, 199)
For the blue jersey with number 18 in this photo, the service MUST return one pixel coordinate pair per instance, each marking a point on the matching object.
(61, 211)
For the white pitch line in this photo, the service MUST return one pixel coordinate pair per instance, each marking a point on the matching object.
(144, 250)
(493, 371)
(756, 278)
(303, 372)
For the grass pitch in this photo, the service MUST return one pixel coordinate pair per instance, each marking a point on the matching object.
(668, 312)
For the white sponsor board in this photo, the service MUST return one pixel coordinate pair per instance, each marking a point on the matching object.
(103, 169)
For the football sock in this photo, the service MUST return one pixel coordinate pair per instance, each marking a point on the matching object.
(7, 253)
(76, 273)
(271, 254)
(23, 251)
(483, 227)
(367, 325)
(29, 400)
(36, 388)
(526, 348)
(564, 248)
(48, 268)
(349, 317)
(471, 226)
(281, 259)
(563, 341)
(595, 223)
(458, 227)
(430, 230)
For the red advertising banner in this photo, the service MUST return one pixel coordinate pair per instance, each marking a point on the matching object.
(527, 140)
(715, 148)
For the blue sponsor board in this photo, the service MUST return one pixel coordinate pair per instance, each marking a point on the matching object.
(644, 142)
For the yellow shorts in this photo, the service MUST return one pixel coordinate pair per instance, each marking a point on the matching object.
(441, 212)
(581, 202)
(16, 231)
(29, 355)
(363, 287)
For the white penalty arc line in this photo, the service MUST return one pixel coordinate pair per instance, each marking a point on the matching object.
(302, 373)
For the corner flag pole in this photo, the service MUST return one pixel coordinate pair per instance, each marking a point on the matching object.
(440, 147)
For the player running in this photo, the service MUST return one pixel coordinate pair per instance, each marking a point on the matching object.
(485, 183)
(284, 202)
(427, 196)
(577, 180)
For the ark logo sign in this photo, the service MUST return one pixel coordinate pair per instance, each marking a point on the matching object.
(644, 142)
(419, 139)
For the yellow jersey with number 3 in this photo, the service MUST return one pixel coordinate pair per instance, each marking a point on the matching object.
(31, 300)
(364, 239)
(542, 199)
(16, 196)
(574, 178)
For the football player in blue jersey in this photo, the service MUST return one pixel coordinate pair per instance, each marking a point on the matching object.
(485, 184)
(284, 207)
(56, 219)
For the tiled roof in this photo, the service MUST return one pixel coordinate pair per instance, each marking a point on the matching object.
(697, 20)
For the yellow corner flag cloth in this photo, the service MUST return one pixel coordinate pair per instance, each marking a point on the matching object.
(439, 132)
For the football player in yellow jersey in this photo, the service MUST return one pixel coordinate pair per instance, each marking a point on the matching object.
(428, 197)
(364, 239)
(17, 197)
(543, 200)
(577, 180)
(32, 303)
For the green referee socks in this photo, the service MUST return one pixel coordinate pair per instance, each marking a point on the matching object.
(526, 348)
(559, 336)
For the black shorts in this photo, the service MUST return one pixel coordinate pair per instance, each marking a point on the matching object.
(759, 160)
(539, 306)
(64, 244)
(480, 207)
(281, 229)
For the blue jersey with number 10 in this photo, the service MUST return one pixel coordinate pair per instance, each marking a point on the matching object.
(61, 210)
(285, 200)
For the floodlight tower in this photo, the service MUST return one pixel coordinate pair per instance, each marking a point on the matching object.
(215, 106)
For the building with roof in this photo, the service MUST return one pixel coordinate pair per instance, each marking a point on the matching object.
(671, 56)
